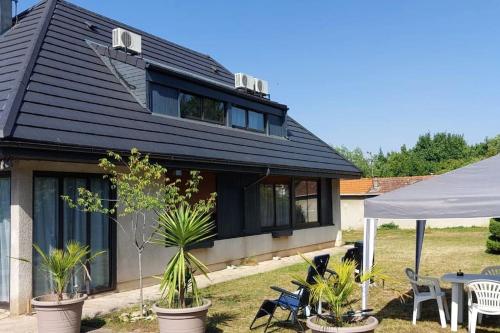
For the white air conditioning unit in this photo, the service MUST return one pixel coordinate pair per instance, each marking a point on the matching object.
(243, 81)
(261, 86)
(124, 39)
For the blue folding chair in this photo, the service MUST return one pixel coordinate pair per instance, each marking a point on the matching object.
(293, 302)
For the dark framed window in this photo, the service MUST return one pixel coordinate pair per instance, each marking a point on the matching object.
(190, 106)
(238, 117)
(164, 100)
(274, 205)
(256, 121)
(55, 223)
(202, 108)
(306, 201)
(275, 125)
(213, 110)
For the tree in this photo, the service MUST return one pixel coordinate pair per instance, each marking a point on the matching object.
(432, 154)
(142, 188)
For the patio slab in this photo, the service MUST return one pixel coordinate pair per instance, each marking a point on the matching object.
(103, 304)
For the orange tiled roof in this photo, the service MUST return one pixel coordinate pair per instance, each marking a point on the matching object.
(376, 186)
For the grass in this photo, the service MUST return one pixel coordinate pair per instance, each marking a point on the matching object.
(445, 250)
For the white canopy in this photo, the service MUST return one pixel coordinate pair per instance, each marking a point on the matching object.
(471, 191)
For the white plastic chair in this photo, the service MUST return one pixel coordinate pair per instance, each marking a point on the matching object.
(434, 293)
(491, 270)
(487, 294)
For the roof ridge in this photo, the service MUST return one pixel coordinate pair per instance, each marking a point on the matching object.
(21, 83)
(158, 38)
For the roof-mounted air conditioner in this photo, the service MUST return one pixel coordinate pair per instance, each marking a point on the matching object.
(243, 81)
(124, 39)
(261, 86)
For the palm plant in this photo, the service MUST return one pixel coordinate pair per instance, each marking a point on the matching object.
(62, 264)
(181, 227)
(337, 291)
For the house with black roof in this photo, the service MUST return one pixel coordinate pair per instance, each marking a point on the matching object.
(68, 95)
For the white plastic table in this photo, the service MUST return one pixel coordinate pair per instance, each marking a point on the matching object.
(457, 294)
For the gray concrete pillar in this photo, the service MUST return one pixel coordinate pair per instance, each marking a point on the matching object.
(21, 238)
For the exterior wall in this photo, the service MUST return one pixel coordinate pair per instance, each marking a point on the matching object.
(353, 214)
(227, 251)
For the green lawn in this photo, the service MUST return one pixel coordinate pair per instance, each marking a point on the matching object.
(445, 250)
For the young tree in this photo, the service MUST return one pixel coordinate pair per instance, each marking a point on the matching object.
(142, 188)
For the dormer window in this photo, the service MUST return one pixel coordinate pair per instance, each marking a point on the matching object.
(201, 108)
(168, 97)
(247, 119)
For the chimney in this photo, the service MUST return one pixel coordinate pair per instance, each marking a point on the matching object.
(5, 15)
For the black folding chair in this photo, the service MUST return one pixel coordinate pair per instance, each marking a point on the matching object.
(293, 302)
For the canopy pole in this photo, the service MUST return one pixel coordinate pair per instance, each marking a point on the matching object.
(368, 251)
(420, 241)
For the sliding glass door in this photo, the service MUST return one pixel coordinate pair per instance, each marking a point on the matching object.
(4, 239)
(55, 223)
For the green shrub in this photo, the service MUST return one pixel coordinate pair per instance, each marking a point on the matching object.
(493, 245)
(495, 227)
(389, 226)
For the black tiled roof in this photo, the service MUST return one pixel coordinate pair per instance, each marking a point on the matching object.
(55, 89)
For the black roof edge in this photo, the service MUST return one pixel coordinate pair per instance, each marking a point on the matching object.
(209, 83)
(19, 88)
(79, 154)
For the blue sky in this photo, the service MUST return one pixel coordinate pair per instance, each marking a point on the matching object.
(356, 73)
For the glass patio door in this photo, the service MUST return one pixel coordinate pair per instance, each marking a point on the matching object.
(4, 239)
(55, 223)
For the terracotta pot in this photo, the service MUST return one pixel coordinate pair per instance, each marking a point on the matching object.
(192, 320)
(59, 316)
(369, 326)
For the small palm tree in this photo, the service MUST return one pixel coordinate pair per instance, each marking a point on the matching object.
(62, 265)
(337, 291)
(181, 227)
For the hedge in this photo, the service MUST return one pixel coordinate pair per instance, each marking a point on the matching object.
(493, 245)
(495, 227)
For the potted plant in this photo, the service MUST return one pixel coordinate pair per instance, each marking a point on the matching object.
(61, 311)
(181, 307)
(336, 293)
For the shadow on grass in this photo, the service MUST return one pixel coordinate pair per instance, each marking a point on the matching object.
(396, 309)
(92, 324)
(217, 319)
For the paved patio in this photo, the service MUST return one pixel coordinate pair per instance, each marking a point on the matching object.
(104, 304)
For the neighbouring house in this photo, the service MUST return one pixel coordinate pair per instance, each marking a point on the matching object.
(67, 96)
(353, 192)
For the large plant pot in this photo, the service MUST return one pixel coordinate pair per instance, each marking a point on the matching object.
(192, 320)
(59, 316)
(369, 326)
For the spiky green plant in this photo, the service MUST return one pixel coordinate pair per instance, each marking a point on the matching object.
(182, 227)
(61, 265)
(337, 291)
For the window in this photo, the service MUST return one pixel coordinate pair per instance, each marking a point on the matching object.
(55, 223)
(201, 108)
(164, 100)
(306, 201)
(274, 205)
(256, 121)
(275, 125)
(213, 110)
(190, 106)
(238, 117)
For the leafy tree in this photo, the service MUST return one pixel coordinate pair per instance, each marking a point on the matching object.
(432, 154)
(142, 188)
